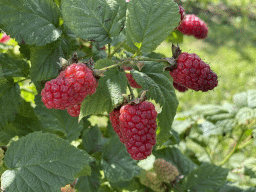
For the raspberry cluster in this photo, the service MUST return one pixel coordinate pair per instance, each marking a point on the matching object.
(69, 89)
(193, 25)
(130, 78)
(193, 73)
(136, 126)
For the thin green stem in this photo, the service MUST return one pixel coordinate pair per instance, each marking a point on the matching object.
(111, 66)
(233, 150)
(245, 143)
(115, 50)
(108, 50)
(130, 89)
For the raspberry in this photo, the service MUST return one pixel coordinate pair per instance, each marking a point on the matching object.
(165, 171)
(70, 87)
(192, 25)
(193, 73)
(138, 125)
(74, 110)
(150, 179)
(130, 78)
(182, 13)
(179, 87)
(114, 119)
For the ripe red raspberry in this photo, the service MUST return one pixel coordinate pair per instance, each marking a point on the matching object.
(130, 78)
(192, 25)
(193, 73)
(70, 87)
(179, 87)
(114, 119)
(54, 94)
(138, 126)
(74, 110)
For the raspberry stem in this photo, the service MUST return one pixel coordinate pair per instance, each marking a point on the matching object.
(110, 55)
(130, 89)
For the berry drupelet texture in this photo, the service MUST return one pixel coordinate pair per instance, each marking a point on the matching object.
(138, 126)
(130, 78)
(114, 119)
(193, 73)
(74, 110)
(165, 171)
(193, 25)
(70, 87)
(179, 87)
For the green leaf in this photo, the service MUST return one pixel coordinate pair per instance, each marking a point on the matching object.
(209, 129)
(2, 79)
(207, 177)
(160, 89)
(44, 59)
(229, 188)
(9, 101)
(7, 132)
(240, 99)
(108, 94)
(94, 19)
(41, 161)
(93, 141)
(251, 99)
(175, 37)
(58, 121)
(117, 163)
(245, 114)
(13, 67)
(89, 183)
(174, 156)
(149, 22)
(35, 22)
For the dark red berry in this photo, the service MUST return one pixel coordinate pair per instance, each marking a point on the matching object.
(179, 87)
(74, 110)
(193, 25)
(70, 87)
(193, 73)
(138, 127)
(114, 119)
(130, 78)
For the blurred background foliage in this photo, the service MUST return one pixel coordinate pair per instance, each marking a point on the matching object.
(229, 48)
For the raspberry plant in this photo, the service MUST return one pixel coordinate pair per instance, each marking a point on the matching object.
(79, 60)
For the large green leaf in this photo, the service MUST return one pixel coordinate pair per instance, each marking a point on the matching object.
(44, 59)
(109, 92)
(160, 89)
(58, 121)
(9, 101)
(117, 163)
(149, 22)
(173, 155)
(207, 177)
(94, 19)
(13, 67)
(41, 162)
(35, 21)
